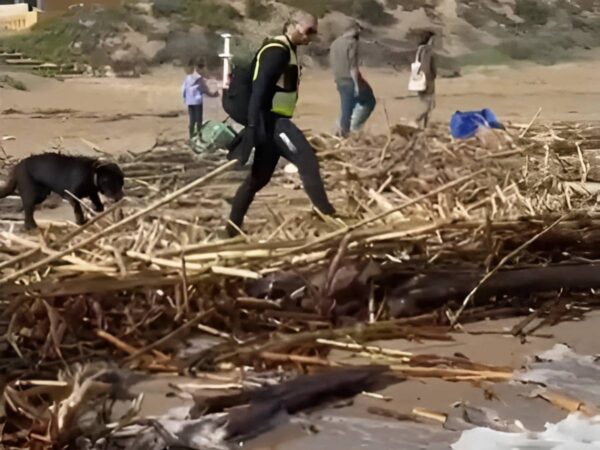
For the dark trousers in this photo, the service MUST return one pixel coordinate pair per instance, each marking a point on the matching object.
(284, 139)
(195, 113)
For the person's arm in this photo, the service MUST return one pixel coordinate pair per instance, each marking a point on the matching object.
(206, 90)
(426, 62)
(272, 64)
(354, 73)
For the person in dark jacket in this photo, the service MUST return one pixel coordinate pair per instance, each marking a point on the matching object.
(427, 58)
(270, 131)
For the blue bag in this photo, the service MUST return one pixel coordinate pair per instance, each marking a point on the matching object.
(464, 125)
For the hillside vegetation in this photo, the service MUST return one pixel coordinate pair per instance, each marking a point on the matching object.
(143, 33)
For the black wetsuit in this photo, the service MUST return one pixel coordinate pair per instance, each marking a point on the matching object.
(276, 136)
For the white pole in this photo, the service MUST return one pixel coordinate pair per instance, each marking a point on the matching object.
(226, 56)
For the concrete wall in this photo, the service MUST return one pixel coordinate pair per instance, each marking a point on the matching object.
(12, 10)
(18, 22)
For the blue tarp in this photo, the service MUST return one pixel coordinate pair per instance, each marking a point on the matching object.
(464, 125)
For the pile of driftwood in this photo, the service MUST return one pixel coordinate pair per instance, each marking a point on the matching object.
(430, 233)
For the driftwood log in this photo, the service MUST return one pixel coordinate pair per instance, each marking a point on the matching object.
(253, 411)
(431, 289)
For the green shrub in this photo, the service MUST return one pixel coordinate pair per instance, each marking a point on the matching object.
(168, 7)
(316, 7)
(49, 40)
(368, 10)
(257, 11)
(407, 5)
(213, 15)
(533, 11)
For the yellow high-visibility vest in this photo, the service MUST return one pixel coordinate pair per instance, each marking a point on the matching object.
(285, 99)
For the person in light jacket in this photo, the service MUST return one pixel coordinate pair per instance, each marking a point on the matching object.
(193, 89)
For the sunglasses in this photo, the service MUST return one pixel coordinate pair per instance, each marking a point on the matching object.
(310, 31)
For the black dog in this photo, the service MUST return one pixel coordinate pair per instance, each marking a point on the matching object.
(37, 176)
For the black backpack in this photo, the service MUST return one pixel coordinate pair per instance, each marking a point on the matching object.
(236, 97)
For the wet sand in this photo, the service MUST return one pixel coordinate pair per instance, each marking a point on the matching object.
(351, 426)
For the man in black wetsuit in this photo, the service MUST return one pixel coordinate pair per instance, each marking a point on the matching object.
(275, 80)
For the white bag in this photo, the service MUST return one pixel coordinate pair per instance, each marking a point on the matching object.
(417, 81)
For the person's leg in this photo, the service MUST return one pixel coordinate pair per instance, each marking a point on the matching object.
(347, 102)
(364, 107)
(425, 99)
(294, 147)
(199, 117)
(192, 122)
(265, 161)
(429, 100)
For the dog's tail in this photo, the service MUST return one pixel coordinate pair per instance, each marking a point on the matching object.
(10, 185)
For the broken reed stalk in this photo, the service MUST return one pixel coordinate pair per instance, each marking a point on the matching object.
(453, 374)
(519, 328)
(467, 300)
(17, 259)
(391, 414)
(379, 330)
(362, 348)
(90, 222)
(195, 321)
(528, 127)
(389, 135)
(168, 198)
(347, 229)
(297, 359)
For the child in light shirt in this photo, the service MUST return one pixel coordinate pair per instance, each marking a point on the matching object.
(194, 89)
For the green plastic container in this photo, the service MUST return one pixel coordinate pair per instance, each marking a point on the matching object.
(213, 136)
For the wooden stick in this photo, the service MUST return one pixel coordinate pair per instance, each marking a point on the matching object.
(537, 114)
(584, 171)
(81, 202)
(72, 259)
(123, 346)
(391, 414)
(279, 357)
(567, 403)
(430, 415)
(195, 321)
(166, 262)
(169, 198)
(363, 348)
(518, 328)
(504, 260)
(389, 135)
(453, 374)
(380, 216)
(90, 222)
(17, 259)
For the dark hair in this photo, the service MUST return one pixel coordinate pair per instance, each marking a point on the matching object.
(191, 62)
(427, 35)
(200, 64)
